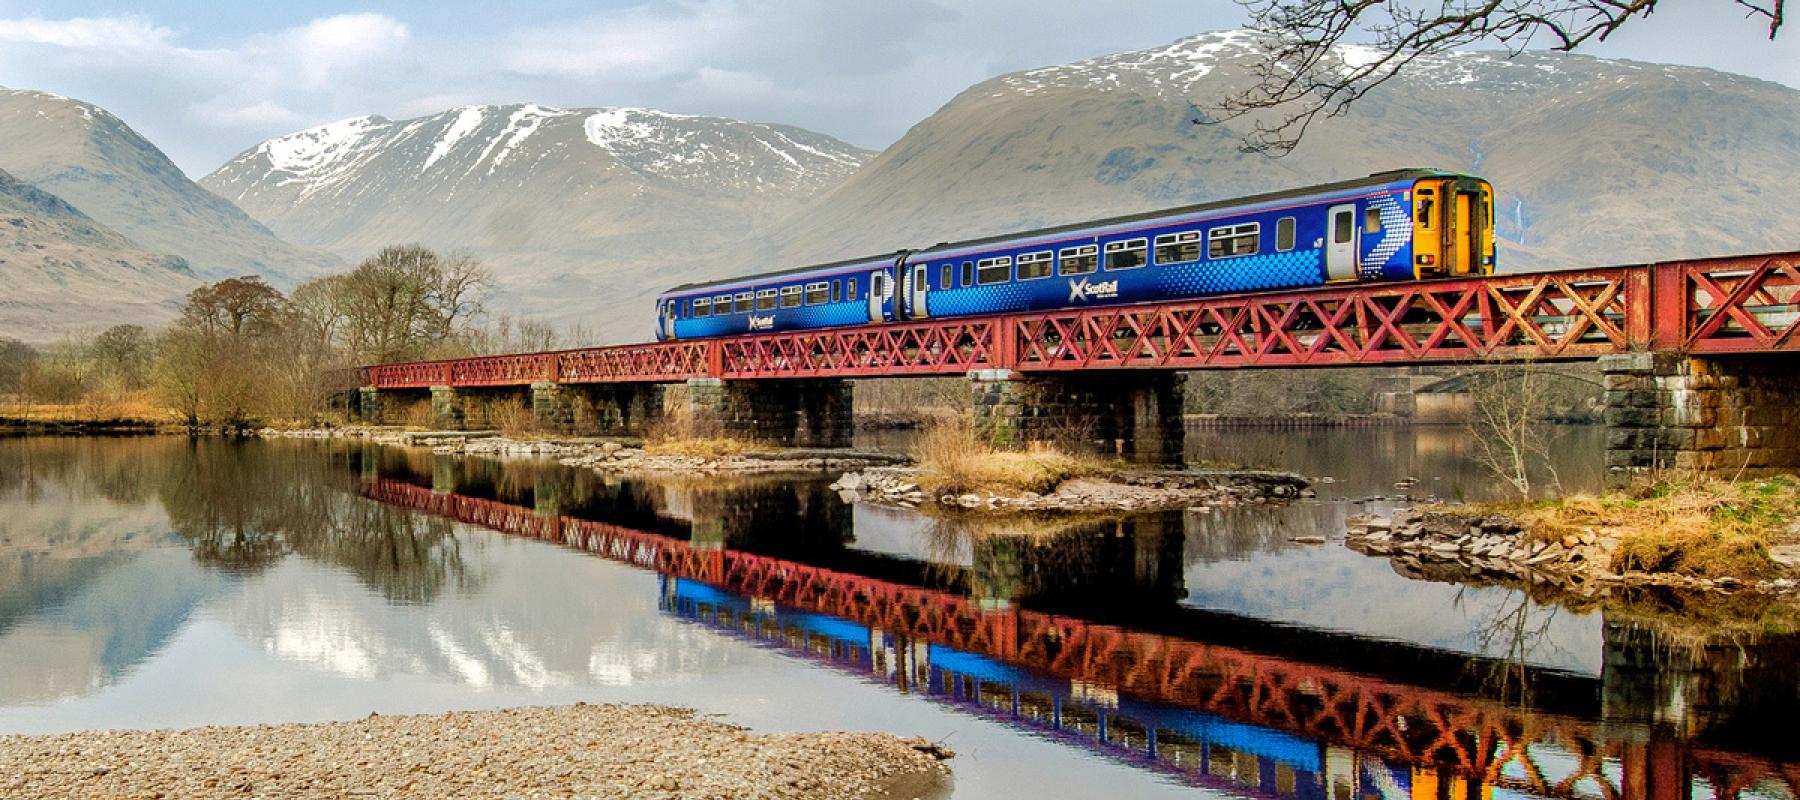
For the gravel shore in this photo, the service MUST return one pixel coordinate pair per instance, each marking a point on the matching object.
(579, 751)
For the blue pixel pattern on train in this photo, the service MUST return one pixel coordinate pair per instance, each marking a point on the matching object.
(1391, 226)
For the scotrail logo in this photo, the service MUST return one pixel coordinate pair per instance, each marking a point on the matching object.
(1083, 290)
(762, 323)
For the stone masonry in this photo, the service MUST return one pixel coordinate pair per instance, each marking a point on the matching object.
(1136, 415)
(809, 412)
(626, 409)
(1723, 413)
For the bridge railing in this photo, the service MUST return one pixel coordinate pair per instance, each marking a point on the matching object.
(1726, 305)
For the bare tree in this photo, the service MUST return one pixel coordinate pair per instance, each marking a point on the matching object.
(403, 301)
(1302, 73)
(1510, 436)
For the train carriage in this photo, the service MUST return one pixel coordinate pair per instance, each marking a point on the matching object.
(1402, 225)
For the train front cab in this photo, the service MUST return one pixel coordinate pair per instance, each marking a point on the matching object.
(1453, 227)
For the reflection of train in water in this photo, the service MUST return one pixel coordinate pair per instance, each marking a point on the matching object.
(1198, 747)
(1391, 226)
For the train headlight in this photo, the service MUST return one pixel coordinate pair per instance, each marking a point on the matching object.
(1427, 260)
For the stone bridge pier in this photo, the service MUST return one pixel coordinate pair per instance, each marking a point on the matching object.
(1722, 414)
(604, 409)
(1133, 414)
(789, 412)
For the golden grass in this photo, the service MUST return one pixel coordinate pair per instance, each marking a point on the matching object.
(129, 406)
(1688, 525)
(953, 459)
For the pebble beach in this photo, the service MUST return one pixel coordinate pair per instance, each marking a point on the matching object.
(579, 751)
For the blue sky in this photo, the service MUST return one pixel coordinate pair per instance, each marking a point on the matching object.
(208, 80)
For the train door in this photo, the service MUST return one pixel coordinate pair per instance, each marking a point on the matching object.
(666, 320)
(1463, 241)
(875, 291)
(921, 284)
(1340, 243)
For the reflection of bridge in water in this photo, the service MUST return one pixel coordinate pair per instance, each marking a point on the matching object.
(1273, 725)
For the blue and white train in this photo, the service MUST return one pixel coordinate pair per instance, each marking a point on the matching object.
(1401, 225)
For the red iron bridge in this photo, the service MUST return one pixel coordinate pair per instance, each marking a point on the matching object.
(1697, 356)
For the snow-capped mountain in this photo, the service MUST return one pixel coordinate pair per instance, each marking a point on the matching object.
(1596, 161)
(92, 159)
(568, 205)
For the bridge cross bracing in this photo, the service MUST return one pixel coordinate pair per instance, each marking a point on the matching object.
(1719, 306)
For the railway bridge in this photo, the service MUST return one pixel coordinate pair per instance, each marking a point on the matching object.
(1698, 357)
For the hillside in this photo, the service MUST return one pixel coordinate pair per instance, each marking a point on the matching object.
(95, 161)
(63, 272)
(583, 213)
(1596, 161)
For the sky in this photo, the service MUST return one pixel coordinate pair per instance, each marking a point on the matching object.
(205, 81)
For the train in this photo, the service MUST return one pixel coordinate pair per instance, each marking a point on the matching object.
(1398, 225)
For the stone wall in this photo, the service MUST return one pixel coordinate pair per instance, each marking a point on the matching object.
(1727, 414)
(1136, 415)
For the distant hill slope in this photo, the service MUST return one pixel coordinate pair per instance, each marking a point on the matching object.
(584, 213)
(1596, 162)
(94, 160)
(62, 272)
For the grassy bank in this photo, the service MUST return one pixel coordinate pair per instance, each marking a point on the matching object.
(953, 458)
(1703, 527)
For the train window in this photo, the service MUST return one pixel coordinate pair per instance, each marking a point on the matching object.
(1080, 260)
(948, 277)
(817, 293)
(968, 276)
(850, 288)
(722, 304)
(765, 300)
(1129, 254)
(1372, 220)
(993, 270)
(1178, 248)
(790, 296)
(1230, 241)
(1284, 234)
(1343, 227)
(702, 307)
(743, 303)
(1427, 203)
(837, 291)
(1035, 265)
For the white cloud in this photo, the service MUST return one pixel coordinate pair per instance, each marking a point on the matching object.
(113, 33)
(328, 48)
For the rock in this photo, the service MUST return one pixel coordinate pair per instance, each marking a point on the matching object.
(1787, 555)
(1308, 540)
(1379, 524)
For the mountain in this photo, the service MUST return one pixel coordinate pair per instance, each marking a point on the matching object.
(1595, 161)
(94, 160)
(63, 272)
(584, 214)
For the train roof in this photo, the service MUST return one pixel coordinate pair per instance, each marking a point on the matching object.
(884, 258)
(1374, 179)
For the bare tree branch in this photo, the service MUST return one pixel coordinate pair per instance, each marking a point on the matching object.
(1304, 72)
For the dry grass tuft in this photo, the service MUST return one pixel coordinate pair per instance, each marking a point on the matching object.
(954, 459)
(706, 447)
(1688, 525)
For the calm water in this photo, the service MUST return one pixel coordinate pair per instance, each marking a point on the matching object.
(158, 583)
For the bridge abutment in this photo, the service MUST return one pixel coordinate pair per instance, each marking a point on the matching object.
(1136, 415)
(795, 412)
(368, 405)
(1714, 413)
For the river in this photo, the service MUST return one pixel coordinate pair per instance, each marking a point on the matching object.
(157, 582)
